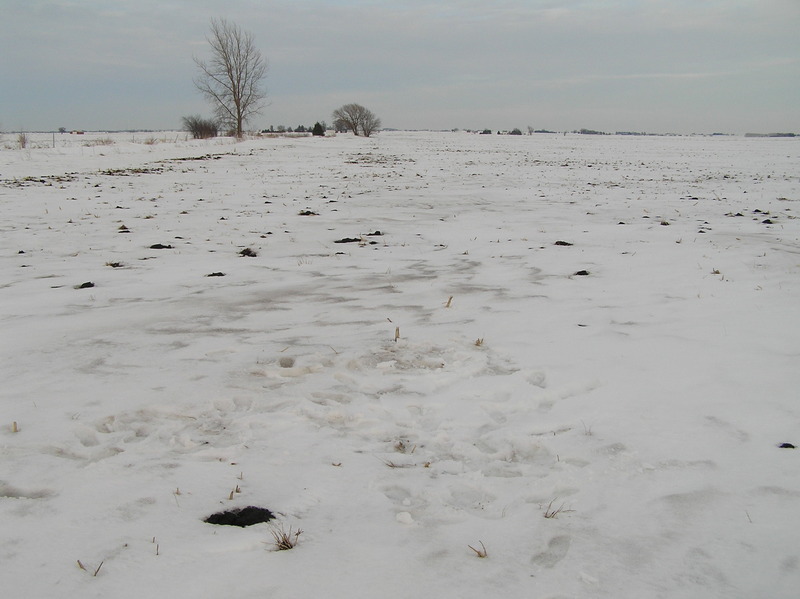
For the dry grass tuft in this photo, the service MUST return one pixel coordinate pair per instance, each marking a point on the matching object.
(101, 141)
(550, 512)
(285, 540)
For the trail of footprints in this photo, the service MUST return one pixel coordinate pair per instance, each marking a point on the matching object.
(395, 402)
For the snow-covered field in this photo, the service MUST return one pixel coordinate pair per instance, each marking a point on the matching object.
(641, 404)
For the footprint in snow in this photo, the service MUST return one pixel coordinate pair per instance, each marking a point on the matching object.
(556, 551)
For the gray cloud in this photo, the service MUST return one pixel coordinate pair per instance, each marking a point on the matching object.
(658, 65)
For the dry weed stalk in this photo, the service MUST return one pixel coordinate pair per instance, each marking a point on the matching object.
(480, 552)
(392, 464)
(82, 567)
(402, 447)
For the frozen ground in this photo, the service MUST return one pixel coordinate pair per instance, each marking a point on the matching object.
(645, 400)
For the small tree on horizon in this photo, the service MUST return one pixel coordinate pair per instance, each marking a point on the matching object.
(356, 118)
(345, 118)
(231, 80)
(199, 127)
(369, 123)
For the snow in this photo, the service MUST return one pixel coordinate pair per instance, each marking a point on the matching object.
(643, 403)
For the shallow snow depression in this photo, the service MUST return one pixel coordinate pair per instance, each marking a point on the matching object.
(577, 355)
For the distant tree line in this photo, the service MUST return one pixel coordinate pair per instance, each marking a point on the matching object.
(514, 131)
(232, 81)
(770, 135)
(318, 130)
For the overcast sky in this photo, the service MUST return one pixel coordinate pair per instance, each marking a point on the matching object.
(635, 65)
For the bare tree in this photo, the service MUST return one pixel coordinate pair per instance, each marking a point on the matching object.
(369, 123)
(232, 79)
(355, 118)
(346, 118)
(199, 127)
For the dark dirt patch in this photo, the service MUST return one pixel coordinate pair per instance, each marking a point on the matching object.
(126, 172)
(190, 158)
(241, 517)
(48, 180)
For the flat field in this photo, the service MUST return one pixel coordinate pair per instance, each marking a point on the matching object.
(578, 355)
